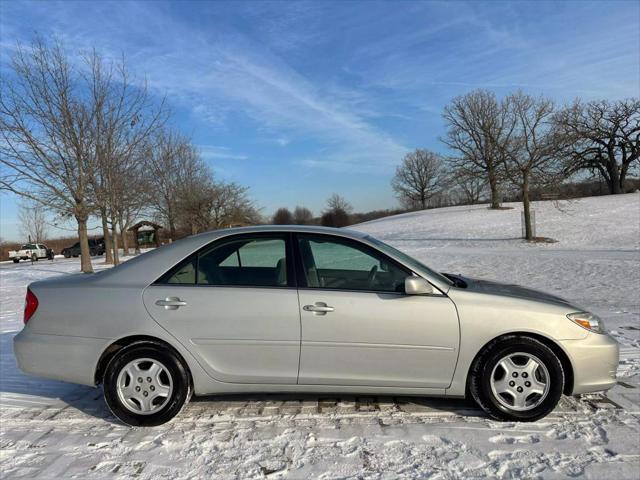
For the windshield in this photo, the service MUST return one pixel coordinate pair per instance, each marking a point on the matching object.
(406, 259)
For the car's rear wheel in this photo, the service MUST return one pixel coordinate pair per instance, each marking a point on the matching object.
(517, 378)
(16, 260)
(146, 384)
(34, 257)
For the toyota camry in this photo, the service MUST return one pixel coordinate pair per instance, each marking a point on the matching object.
(306, 309)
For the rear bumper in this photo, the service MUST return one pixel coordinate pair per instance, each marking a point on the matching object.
(59, 357)
(595, 362)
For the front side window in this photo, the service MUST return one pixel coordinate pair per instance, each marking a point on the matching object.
(248, 261)
(334, 263)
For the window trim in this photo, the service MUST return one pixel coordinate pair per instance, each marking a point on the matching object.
(289, 256)
(302, 278)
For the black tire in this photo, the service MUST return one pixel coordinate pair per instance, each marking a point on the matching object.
(16, 260)
(66, 254)
(483, 367)
(34, 257)
(182, 388)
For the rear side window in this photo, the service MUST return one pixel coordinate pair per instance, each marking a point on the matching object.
(247, 261)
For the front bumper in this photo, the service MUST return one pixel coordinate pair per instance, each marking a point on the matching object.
(59, 357)
(595, 362)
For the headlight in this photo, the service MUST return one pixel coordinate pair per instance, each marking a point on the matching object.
(587, 320)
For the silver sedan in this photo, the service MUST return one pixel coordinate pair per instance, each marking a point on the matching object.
(306, 309)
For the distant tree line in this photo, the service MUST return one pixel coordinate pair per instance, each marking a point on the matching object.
(87, 140)
(336, 214)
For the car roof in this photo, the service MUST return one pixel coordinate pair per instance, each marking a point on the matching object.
(344, 232)
(149, 266)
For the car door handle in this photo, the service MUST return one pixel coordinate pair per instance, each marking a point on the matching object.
(320, 308)
(171, 303)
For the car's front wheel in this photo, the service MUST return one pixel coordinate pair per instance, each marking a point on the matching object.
(517, 378)
(146, 384)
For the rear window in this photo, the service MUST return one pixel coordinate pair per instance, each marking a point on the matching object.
(247, 261)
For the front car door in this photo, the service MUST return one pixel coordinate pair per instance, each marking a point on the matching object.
(234, 305)
(358, 326)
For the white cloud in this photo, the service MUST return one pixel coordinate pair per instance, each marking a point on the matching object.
(214, 152)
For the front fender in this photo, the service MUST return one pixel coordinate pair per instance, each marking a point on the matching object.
(484, 317)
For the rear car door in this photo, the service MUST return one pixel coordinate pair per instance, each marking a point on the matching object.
(234, 305)
(358, 326)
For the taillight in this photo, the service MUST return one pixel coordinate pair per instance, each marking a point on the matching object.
(30, 305)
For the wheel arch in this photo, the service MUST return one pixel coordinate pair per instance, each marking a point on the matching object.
(121, 343)
(567, 366)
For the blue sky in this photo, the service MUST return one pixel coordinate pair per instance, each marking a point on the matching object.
(298, 100)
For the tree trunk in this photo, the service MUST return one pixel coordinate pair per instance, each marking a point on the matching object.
(114, 236)
(614, 179)
(493, 185)
(172, 229)
(85, 254)
(125, 240)
(108, 254)
(528, 232)
(622, 180)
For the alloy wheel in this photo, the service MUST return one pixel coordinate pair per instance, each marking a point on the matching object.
(144, 386)
(520, 381)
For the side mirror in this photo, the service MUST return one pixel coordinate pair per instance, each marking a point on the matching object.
(417, 286)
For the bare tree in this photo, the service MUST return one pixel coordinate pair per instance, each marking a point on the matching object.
(336, 202)
(282, 216)
(337, 213)
(191, 201)
(531, 157)
(605, 138)
(232, 206)
(302, 216)
(33, 221)
(45, 143)
(478, 129)
(420, 176)
(169, 159)
(123, 121)
(197, 193)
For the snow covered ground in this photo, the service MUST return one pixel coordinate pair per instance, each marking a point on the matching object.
(56, 430)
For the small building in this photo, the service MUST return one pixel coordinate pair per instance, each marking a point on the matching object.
(145, 235)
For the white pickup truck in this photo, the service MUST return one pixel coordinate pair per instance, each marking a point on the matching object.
(29, 251)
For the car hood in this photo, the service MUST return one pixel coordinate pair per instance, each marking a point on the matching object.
(509, 290)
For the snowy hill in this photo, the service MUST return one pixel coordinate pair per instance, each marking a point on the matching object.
(606, 222)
